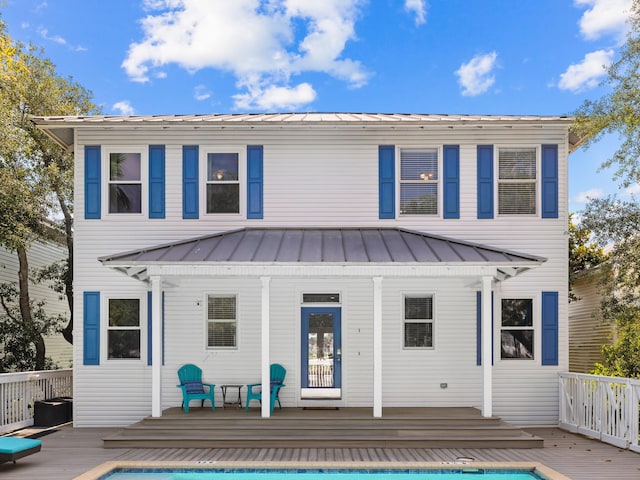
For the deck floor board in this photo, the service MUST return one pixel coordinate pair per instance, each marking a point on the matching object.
(69, 452)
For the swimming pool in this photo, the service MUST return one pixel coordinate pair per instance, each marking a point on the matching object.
(424, 471)
(324, 474)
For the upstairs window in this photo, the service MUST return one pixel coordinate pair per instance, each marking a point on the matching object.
(221, 321)
(418, 321)
(516, 335)
(419, 180)
(125, 183)
(223, 183)
(517, 181)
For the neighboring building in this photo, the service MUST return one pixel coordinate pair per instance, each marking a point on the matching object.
(369, 254)
(42, 254)
(588, 332)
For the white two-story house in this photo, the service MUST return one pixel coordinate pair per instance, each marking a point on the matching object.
(384, 260)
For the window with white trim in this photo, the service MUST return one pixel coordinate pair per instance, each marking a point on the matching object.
(419, 181)
(517, 181)
(223, 183)
(222, 321)
(125, 182)
(418, 321)
(516, 333)
(123, 330)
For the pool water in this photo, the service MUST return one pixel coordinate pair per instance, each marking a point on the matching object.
(465, 473)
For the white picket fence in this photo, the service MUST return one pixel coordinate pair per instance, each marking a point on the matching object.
(605, 408)
(19, 391)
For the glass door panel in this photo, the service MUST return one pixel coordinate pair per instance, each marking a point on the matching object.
(321, 349)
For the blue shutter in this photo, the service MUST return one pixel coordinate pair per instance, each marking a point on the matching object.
(549, 328)
(190, 197)
(92, 181)
(150, 329)
(549, 181)
(485, 181)
(156, 181)
(255, 182)
(91, 328)
(387, 181)
(479, 328)
(451, 178)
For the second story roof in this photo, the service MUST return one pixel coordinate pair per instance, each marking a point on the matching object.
(61, 128)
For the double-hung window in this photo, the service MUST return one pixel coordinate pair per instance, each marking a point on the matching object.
(419, 179)
(517, 181)
(516, 334)
(123, 330)
(223, 183)
(125, 182)
(418, 321)
(222, 321)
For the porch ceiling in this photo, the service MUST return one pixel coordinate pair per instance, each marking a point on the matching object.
(389, 249)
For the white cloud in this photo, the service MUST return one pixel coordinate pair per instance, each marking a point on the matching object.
(605, 17)
(476, 76)
(124, 107)
(591, 194)
(419, 8)
(201, 93)
(588, 73)
(272, 97)
(44, 33)
(253, 39)
(633, 190)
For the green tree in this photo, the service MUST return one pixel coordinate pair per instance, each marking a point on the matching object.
(613, 220)
(619, 110)
(36, 174)
(583, 252)
(618, 222)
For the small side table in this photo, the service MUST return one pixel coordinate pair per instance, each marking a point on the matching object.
(237, 401)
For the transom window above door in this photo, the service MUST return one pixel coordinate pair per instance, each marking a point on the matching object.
(125, 183)
(419, 179)
(223, 183)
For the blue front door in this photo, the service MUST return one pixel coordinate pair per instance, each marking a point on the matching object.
(321, 350)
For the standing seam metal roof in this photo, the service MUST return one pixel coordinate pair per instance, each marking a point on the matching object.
(322, 245)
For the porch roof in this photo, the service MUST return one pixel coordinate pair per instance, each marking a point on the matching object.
(370, 247)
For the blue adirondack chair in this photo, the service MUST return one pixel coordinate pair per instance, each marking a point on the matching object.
(192, 387)
(254, 390)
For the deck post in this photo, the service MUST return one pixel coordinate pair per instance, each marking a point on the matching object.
(487, 344)
(265, 326)
(377, 347)
(156, 344)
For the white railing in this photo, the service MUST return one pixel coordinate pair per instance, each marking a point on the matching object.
(602, 407)
(19, 391)
(320, 374)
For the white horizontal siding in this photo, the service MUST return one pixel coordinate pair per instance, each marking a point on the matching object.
(588, 332)
(314, 178)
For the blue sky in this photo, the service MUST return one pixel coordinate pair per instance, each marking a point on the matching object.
(537, 57)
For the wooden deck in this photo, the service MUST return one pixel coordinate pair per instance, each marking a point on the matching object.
(326, 428)
(70, 452)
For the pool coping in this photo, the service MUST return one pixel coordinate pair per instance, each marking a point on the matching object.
(107, 467)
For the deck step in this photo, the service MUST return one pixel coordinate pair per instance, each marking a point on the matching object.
(226, 428)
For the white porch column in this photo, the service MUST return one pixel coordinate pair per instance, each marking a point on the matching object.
(265, 332)
(377, 347)
(156, 346)
(487, 350)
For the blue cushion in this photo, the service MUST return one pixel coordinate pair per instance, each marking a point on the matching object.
(194, 387)
(275, 383)
(12, 445)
